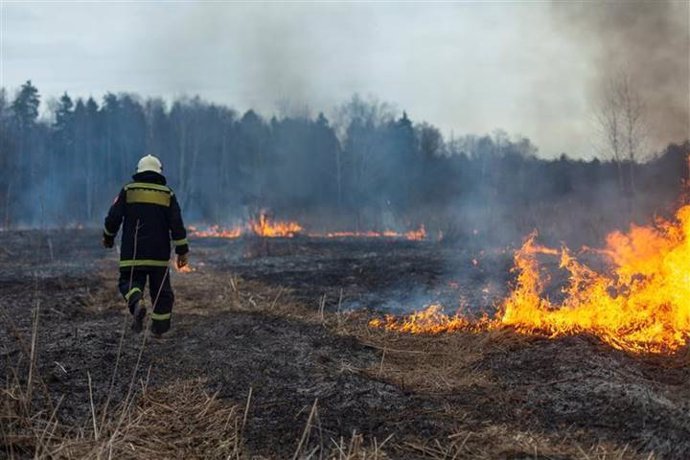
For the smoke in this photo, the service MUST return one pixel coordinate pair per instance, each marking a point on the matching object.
(253, 57)
(649, 41)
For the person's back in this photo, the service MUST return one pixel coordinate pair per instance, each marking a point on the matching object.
(150, 217)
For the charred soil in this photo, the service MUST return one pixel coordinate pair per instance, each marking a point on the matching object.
(270, 356)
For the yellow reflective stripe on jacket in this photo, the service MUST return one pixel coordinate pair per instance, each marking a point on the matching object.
(148, 197)
(180, 242)
(160, 316)
(144, 263)
(105, 230)
(131, 292)
(146, 185)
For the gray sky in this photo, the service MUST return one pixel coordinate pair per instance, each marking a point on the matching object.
(466, 68)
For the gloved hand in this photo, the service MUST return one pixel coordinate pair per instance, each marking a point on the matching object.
(108, 241)
(182, 260)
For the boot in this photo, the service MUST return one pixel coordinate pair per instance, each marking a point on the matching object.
(138, 313)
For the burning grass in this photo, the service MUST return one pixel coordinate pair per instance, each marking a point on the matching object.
(641, 304)
(419, 234)
(263, 226)
(266, 227)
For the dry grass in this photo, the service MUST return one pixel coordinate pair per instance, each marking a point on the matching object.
(205, 292)
(357, 448)
(441, 363)
(179, 421)
(499, 441)
(449, 364)
(312, 445)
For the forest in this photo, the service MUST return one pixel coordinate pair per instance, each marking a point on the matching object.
(369, 167)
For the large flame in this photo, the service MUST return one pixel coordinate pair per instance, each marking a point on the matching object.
(641, 304)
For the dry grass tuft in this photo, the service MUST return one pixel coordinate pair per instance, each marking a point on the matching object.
(24, 430)
(500, 441)
(442, 363)
(179, 421)
(356, 448)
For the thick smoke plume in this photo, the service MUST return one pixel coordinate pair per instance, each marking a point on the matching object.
(649, 41)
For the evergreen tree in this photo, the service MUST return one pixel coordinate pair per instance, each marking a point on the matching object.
(25, 106)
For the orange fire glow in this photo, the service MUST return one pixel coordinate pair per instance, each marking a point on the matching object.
(186, 269)
(216, 231)
(412, 235)
(263, 227)
(641, 304)
(416, 235)
(431, 320)
(267, 228)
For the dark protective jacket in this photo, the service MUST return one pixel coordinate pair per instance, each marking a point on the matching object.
(152, 218)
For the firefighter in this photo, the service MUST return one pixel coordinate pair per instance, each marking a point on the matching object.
(150, 216)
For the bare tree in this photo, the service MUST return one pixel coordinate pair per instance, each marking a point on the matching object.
(608, 119)
(620, 117)
(632, 111)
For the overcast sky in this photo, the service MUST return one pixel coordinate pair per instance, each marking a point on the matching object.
(466, 68)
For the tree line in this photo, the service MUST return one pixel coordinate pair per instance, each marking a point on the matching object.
(367, 167)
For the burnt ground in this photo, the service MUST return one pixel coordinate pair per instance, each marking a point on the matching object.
(249, 319)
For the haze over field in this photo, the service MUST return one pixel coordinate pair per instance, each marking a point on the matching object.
(534, 69)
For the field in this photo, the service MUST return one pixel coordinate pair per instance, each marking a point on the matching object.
(271, 356)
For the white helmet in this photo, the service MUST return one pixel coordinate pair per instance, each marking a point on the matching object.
(149, 163)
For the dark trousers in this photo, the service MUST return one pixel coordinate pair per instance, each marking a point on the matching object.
(132, 283)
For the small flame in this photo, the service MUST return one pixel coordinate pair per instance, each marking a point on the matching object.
(267, 228)
(431, 320)
(186, 269)
(411, 235)
(416, 235)
(263, 227)
(216, 231)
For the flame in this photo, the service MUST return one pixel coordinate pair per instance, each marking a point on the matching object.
(186, 269)
(431, 320)
(641, 304)
(263, 227)
(368, 234)
(416, 235)
(411, 235)
(267, 228)
(216, 231)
